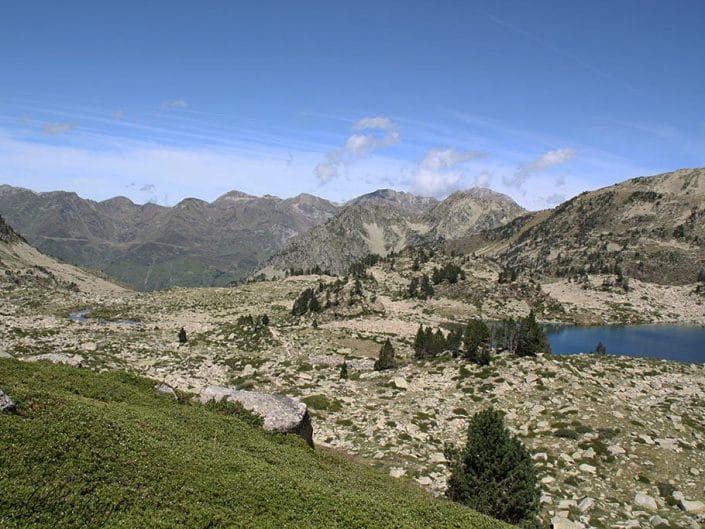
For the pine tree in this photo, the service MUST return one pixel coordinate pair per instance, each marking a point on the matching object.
(344, 370)
(531, 338)
(493, 473)
(386, 357)
(477, 335)
(182, 336)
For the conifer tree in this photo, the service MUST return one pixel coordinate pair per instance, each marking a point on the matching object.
(493, 473)
(386, 357)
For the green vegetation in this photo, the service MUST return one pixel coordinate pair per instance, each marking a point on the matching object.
(306, 302)
(493, 473)
(107, 450)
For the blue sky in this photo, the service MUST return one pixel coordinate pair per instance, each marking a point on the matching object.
(164, 100)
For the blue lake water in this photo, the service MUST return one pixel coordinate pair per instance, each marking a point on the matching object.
(671, 342)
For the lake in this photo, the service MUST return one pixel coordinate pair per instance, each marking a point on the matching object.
(671, 342)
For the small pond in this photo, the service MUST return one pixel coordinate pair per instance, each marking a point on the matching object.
(670, 342)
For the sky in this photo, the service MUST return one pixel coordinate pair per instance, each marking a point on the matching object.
(159, 101)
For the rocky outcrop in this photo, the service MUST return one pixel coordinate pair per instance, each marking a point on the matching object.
(281, 414)
(166, 389)
(6, 403)
(56, 358)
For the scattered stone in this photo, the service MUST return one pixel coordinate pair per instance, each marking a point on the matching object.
(89, 346)
(167, 389)
(645, 501)
(397, 472)
(565, 505)
(424, 481)
(540, 456)
(558, 522)
(281, 414)
(646, 439)
(590, 469)
(616, 450)
(691, 507)
(6, 403)
(55, 358)
(547, 480)
(669, 444)
(656, 520)
(248, 371)
(586, 504)
(694, 471)
(399, 383)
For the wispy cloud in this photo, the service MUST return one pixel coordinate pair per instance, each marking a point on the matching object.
(118, 115)
(359, 145)
(148, 188)
(56, 129)
(543, 162)
(174, 103)
(439, 172)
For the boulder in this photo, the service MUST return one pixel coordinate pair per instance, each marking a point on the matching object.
(166, 389)
(558, 522)
(616, 450)
(281, 414)
(692, 507)
(6, 403)
(586, 504)
(399, 383)
(55, 358)
(645, 502)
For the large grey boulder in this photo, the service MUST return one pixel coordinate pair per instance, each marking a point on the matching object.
(281, 414)
(6, 403)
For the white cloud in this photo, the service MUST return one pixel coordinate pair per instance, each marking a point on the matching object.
(148, 188)
(483, 179)
(174, 103)
(374, 122)
(543, 162)
(438, 172)
(358, 146)
(55, 129)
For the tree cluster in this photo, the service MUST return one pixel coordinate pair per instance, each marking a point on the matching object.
(420, 288)
(449, 272)
(523, 337)
(305, 303)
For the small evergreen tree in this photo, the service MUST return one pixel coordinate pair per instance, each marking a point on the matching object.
(344, 371)
(477, 335)
(386, 357)
(493, 473)
(601, 349)
(182, 336)
(426, 288)
(531, 338)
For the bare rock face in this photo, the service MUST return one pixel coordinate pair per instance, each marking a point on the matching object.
(281, 414)
(6, 403)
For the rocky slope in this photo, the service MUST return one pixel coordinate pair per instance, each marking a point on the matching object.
(385, 222)
(23, 267)
(150, 246)
(650, 228)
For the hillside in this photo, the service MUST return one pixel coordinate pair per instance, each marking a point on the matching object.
(649, 228)
(107, 450)
(385, 222)
(22, 266)
(150, 246)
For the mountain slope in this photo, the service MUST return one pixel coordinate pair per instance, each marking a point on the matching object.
(650, 228)
(384, 222)
(22, 265)
(150, 246)
(106, 450)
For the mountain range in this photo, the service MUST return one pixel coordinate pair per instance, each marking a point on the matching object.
(650, 228)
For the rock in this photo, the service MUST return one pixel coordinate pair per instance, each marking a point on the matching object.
(89, 346)
(669, 444)
(587, 468)
(616, 450)
(248, 371)
(558, 522)
(694, 471)
(281, 414)
(55, 358)
(646, 439)
(167, 389)
(565, 505)
(399, 383)
(547, 480)
(586, 504)
(656, 520)
(540, 456)
(5, 354)
(692, 507)
(397, 472)
(645, 501)
(6, 403)
(424, 481)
